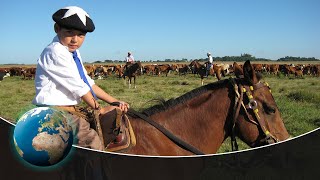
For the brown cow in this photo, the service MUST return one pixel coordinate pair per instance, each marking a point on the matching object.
(100, 72)
(15, 71)
(150, 69)
(183, 69)
(258, 67)
(315, 70)
(90, 70)
(307, 69)
(163, 68)
(274, 69)
(29, 73)
(298, 71)
(118, 69)
(174, 67)
(287, 69)
(237, 69)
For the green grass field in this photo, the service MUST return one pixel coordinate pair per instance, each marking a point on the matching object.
(298, 99)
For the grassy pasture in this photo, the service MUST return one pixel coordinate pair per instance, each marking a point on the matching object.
(298, 99)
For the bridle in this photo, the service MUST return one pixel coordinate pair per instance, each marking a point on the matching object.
(252, 106)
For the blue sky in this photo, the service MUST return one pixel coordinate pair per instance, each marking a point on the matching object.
(167, 29)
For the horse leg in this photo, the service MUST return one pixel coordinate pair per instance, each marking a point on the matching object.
(129, 81)
(124, 80)
(134, 82)
(211, 72)
(218, 75)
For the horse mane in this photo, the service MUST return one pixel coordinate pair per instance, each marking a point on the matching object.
(164, 105)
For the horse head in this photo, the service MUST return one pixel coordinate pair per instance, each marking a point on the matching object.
(258, 121)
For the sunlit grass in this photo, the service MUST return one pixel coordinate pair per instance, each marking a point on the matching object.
(298, 99)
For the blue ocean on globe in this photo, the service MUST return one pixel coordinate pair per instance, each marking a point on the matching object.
(42, 136)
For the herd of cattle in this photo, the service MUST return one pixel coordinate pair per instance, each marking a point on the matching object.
(103, 71)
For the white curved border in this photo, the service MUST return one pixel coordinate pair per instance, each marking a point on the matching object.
(191, 156)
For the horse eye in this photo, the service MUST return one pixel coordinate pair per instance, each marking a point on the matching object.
(269, 109)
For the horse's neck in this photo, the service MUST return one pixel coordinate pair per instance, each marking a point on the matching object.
(199, 65)
(200, 121)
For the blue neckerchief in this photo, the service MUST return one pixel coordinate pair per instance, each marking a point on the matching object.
(80, 69)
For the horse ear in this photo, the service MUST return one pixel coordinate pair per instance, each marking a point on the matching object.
(237, 70)
(249, 73)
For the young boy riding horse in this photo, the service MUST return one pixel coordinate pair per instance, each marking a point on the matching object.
(62, 81)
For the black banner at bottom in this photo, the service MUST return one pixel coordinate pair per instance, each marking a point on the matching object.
(297, 158)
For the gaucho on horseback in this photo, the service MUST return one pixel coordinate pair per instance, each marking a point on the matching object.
(129, 61)
(62, 82)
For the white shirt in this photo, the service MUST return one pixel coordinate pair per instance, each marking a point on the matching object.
(130, 58)
(210, 60)
(57, 80)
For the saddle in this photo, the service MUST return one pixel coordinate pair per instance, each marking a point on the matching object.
(115, 131)
(113, 128)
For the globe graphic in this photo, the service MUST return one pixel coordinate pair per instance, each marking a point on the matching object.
(42, 136)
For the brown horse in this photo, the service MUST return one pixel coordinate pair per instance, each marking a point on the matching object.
(206, 116)
(132, 71)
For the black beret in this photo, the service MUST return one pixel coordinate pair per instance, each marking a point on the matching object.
(73, 17)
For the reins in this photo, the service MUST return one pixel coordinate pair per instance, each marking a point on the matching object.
(166, 132)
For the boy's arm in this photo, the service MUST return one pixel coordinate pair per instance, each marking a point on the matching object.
(101, 94)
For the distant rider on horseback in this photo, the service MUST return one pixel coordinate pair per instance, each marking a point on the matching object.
(129, 61)
(209, 63)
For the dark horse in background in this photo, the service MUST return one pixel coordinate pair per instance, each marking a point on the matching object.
(206, 116)
(201, 69)
(131, 71)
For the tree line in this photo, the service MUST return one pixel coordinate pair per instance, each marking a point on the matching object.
(242, 58)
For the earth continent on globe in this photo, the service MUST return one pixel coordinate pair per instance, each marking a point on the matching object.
(42, 136)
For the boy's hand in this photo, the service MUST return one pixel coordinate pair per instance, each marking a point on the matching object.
(123, 106)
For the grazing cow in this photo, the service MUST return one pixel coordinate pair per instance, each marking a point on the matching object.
(15, 71)
(183, 69)
(307, 69)
(90, 70)
(99, 72)
(224, 69)
(163, 68)
(174, 67)
(274, 69)
(237, 69)
(29, 73)
(109, 69)
(315, 70)
(287, 69)
(4, 73)
(150, 69)
(118, 69)
(258, 67)
(267, 68)
(298, 71)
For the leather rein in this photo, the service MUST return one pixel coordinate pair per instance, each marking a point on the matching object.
(164, 131)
